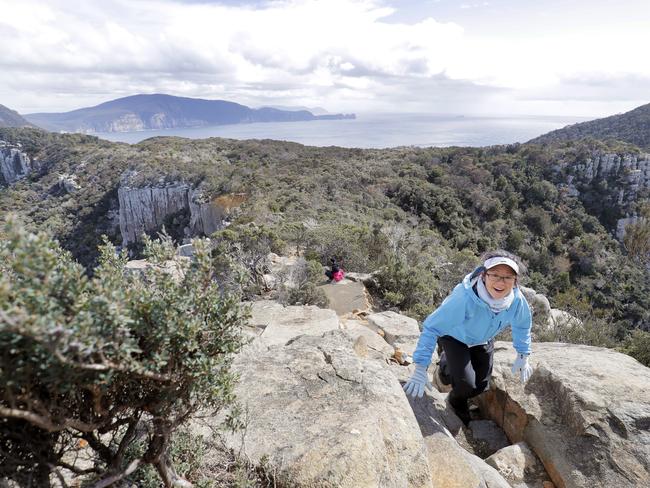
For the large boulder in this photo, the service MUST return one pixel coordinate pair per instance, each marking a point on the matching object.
(537, 301)
(399, 331)
(347, 296)
(326, 417)
(279, 324)
(518, 464)
(377, 346)
(324, 406)
(585, 412)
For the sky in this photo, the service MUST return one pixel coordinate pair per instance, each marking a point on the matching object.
(585, 58)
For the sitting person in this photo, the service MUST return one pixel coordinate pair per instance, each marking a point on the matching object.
(335, 273)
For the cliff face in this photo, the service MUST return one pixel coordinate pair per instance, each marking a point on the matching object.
(144, 209)
(14, 164)
(618, 180)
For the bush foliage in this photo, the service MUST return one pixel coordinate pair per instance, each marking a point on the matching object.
(106, 361)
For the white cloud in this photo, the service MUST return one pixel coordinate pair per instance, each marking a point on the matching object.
(59, 55)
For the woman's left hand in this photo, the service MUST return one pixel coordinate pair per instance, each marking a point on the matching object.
(522, 367)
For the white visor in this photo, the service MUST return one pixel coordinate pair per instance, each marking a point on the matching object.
(492, 262)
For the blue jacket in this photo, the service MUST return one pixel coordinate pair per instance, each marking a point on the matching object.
(467, 318)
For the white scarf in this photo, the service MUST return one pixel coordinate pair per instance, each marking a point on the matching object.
(496, 304)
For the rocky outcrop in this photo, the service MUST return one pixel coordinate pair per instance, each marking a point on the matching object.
(517, 464)
(398, 330)
(68, 183)
(143, 209)
(627, 174)
(347, 297)
(328, 418)
(325, 408)
(635, 169)
(318, 389)
(621, 225)
(585, 412)
(14, 163)
(279, 324)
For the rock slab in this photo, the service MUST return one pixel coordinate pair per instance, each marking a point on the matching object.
(328, 418)
(585, 412)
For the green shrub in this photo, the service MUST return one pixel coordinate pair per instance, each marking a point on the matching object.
(637, 345)
(107, 360)
(241, 257)
(303, 287)
(411, 289)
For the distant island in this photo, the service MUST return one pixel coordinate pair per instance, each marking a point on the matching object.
(159, 111)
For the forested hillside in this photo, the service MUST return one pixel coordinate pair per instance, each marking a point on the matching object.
(632, 127)
(11, 118)
(422, 214)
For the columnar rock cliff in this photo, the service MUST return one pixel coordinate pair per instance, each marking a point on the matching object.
(634, 169)
(144, 208)
(628, 175)
(14, 164)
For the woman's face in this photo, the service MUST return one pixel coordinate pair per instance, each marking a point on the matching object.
(500, 280)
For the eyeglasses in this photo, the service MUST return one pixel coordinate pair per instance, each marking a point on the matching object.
(503, 279)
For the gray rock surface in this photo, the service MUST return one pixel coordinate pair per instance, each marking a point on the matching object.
(281, 324)
(14, 164)
(585, 412)
(538, 301)
(328, 418)
(144, 208)
(375, 342)
(632, 171)
(489, 477)
(68, 183)
(347, 296)
(490, 435)
(452, 465)
(518, 464)
(399, 330)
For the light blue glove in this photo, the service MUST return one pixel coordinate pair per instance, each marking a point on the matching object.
(522, 367)
(418, 381)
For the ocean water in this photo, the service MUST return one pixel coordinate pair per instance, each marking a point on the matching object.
(376, 131)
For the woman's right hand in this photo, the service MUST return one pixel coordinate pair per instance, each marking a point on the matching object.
(418, 382)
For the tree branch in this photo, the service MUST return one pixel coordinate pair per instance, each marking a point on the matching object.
(120, 475)
(74, 469)
(46, 423)
(108, 366)
(127, 439)
(105, 453)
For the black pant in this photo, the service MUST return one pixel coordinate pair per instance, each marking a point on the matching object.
(468, 368)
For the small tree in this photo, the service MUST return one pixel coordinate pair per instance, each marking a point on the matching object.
(106, 361)
(637, 237)
(241, 257)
